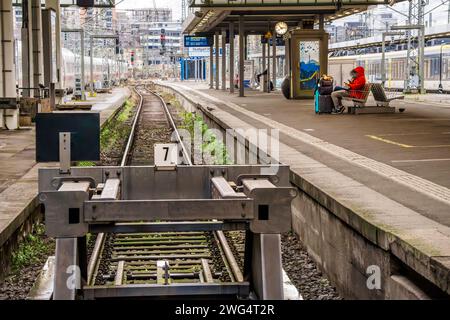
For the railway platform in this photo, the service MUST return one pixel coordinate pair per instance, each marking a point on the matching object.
(375, 188)
(19, 171)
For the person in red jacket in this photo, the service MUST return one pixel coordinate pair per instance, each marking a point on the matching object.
(352, 89)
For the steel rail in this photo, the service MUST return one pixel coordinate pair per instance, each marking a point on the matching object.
(220, 236)
(219, 233)
(133, 129)
(98, 246)
(186, 156)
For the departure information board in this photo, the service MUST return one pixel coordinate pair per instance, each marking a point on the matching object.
(196, 42)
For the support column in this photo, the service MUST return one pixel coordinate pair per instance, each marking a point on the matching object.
(287, 55)
(241, 55)
(224, 59)
(195, 70)
(245, 47)
(7, 67)
(231, 29)
(83, 78)
(262, 83)
(268, 66)
(211, 67)
(27, 48)
(383, 59)
(274, 59)
(216, 42)
(263, 57)
(38, 61)
(55, 5)
(91, 65)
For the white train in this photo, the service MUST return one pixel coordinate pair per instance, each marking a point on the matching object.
(339, 67)
(71, 65)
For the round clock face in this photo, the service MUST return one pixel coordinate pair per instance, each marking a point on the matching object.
(281, 28)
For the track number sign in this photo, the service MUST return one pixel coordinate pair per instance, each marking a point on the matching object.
(166, 155)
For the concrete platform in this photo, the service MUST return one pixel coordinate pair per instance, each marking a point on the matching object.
(383, 176)
(19, 171)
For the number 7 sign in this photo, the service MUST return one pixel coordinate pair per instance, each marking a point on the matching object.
(166, 154)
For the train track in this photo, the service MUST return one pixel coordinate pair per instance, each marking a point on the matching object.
(160, 258)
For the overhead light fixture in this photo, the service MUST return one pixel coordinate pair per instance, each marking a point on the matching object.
(281, 28)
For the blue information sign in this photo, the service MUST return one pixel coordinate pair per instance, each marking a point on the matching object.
(196, 42)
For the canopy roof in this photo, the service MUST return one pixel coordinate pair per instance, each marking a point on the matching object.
(69, 3)
(209, 16)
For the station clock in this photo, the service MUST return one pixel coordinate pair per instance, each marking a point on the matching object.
(281, 28)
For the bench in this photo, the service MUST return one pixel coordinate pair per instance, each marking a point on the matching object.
(381, 97)
(360, 102)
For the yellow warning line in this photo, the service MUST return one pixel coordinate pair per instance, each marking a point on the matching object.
(406, 145)
(390, 141)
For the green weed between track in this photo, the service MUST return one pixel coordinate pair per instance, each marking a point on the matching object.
(114, 131)
(212, 147)
(31, 249)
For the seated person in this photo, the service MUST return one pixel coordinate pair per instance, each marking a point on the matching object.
(351, 89)
(258, 79)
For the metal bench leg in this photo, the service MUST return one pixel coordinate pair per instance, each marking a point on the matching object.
(266, 267)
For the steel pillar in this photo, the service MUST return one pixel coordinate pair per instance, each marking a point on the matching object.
(224, 59)
(55, 5)
(27, 48)
(383, 59)
(83, 76)
(7, 67)
(216, 43)
(421, 44)
(38, 61)
(268, 66)
(263, 57)
(231, 29)
(274, 58)
(91, 65)
(211, 67)
(241, 55)
(287, 54)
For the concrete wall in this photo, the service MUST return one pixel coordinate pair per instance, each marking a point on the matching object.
(348, 248)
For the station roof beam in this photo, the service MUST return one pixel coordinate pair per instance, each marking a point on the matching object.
(69, 3)
(211, 16)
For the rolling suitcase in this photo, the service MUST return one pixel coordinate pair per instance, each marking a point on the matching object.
(322, 95)
(323, 103)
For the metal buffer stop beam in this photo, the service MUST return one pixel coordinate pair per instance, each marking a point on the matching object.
(112, 199)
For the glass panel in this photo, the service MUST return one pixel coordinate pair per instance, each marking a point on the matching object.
(309, 64)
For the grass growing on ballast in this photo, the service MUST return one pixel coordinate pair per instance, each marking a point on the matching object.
(213, 148)
(116, 128)
(31, 249)
(113, 131)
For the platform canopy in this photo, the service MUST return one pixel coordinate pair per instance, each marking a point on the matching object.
(69, 3)
(209, 16)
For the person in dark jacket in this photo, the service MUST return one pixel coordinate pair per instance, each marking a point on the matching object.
(352, 89)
